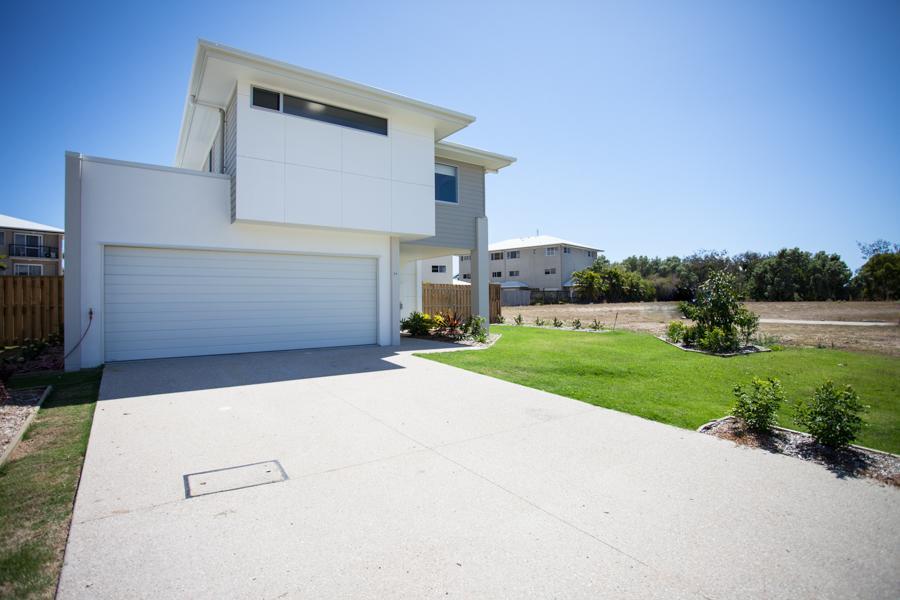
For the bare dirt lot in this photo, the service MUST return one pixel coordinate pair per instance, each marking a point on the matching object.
(652, 317)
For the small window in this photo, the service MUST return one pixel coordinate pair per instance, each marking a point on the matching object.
(549, 251)
(2, 238)
(496, 256)
(266, 99)
(467, 276)
(567, 250)
(513, 273)
(33, 270)
(512, 254)
(550, 271)
(445, 183)
(310, 109)
(497, 274)
(590, 254)
(438, 268)
(465, 258)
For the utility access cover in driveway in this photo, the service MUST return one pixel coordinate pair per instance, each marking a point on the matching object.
(233, 478)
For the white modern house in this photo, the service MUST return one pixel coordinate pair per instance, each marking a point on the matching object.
(295, 202)
(540, 262)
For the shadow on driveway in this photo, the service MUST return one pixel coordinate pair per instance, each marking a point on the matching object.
(172, 375)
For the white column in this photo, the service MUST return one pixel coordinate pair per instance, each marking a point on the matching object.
(419, 286)
(395, 291)
(76, 320)
(480, 267)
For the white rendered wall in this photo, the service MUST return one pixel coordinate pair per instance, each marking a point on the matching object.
(299, 171)
(429, 277)
(140, 205)
(410, 283)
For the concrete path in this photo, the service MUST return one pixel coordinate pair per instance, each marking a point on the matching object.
(412, 479)
(849, 323)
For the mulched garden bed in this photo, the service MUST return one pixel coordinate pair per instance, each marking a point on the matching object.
(492, 339)
(564, 328)
(853, 461)
(751, 349)
(15, 415)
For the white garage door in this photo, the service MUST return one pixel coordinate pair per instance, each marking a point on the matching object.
(162, 303)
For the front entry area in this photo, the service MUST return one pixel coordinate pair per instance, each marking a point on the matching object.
(177, 302)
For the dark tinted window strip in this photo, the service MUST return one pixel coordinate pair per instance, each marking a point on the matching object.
(309, 109)
(266, 99)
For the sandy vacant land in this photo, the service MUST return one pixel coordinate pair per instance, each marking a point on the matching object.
(652, 317)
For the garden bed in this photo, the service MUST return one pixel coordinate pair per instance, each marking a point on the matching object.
(853, 461)
(464, 342)
(15, 416)
(565, 328)
(750, 349)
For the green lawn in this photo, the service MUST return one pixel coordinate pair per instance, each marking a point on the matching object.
(37, 487)
(639, 374)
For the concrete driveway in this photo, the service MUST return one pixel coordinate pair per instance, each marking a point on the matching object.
(411, 479)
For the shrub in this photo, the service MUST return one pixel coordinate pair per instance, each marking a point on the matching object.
(501, 319)
(453, 326)
(691, 335)
(675, 331)
(833, 416)
(747, 323)
(596, 325)
(539, 321)
(519, 320)
(716, 339)
(557, 322)
(416, 324)
(438, 324)
(475, 329)
(576, 324)
(718, 315)
(757, 403)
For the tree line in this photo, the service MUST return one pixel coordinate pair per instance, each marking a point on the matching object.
(789, 274)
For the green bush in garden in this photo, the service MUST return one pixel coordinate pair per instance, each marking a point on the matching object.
(757, 403)
(833, 416)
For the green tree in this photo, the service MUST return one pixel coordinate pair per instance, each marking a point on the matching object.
(589, 284)
(879, 278)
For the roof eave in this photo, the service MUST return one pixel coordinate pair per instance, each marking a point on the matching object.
(452, 121)
(491, 161)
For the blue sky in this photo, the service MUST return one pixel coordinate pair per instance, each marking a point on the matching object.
(641, 128)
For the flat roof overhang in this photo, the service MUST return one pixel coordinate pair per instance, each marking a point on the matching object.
(218, 68)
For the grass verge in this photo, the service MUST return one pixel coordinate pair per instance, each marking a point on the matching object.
(638, 374)
(38, 484)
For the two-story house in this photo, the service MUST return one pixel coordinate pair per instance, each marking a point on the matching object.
(294, 204)
(30, 248)
(540, 262)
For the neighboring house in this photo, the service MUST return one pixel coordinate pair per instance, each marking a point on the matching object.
(539, 262)
(295, 202)
(432, 270)
(30, 248)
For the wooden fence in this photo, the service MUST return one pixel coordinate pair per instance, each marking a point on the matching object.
(30, 307)
(450, 298)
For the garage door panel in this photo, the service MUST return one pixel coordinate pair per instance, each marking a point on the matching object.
(168, 302)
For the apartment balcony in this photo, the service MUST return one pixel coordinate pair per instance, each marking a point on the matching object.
(25, 251)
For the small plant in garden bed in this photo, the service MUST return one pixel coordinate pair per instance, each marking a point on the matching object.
(539, 322)
(519, 320)
(557, 323)
(596, 325)
(475, 329)
(757, 403)
(576, 323)
(833, 416)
